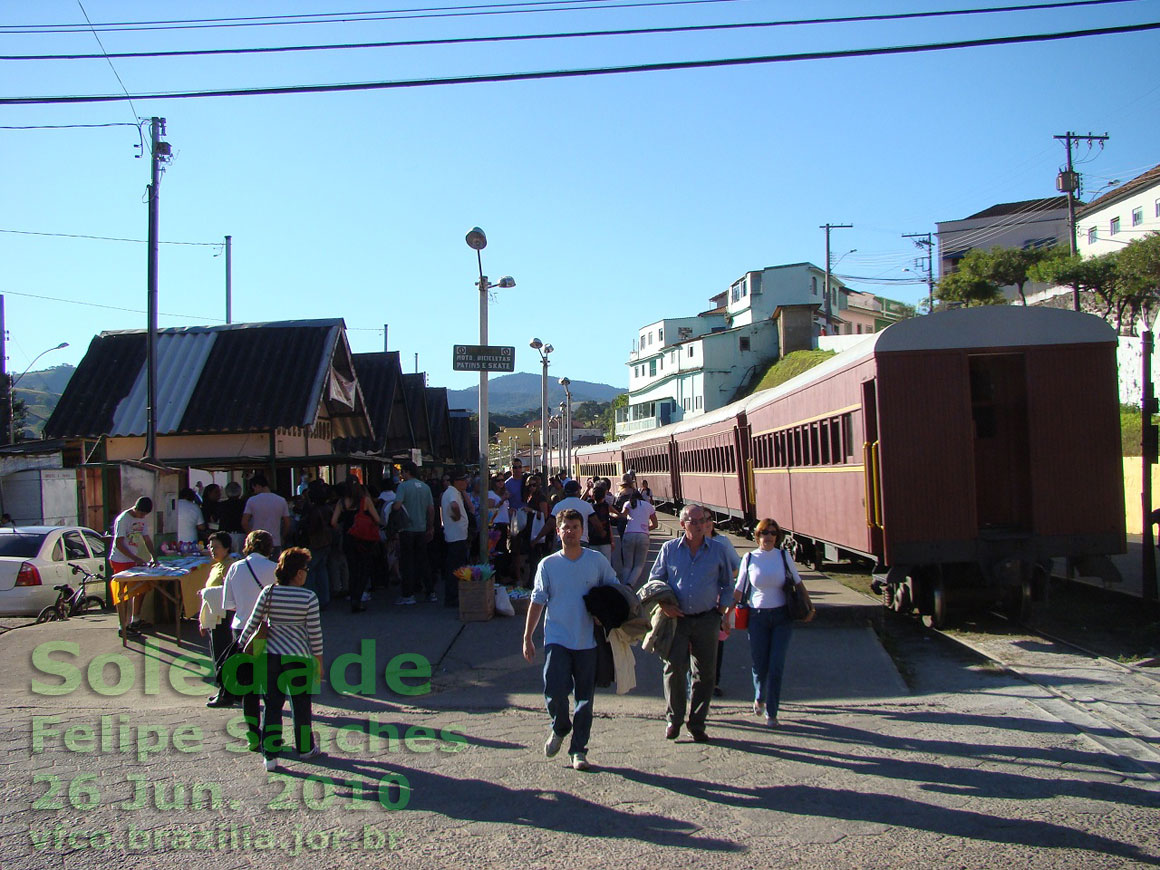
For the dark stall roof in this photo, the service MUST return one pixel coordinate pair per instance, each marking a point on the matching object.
(464, 446)
(243, 377)
(381, 377)
(415, 388)
(438, 417)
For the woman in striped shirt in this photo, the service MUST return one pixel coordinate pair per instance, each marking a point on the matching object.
(294, 636)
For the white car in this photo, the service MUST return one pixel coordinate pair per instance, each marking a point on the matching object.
(34, 559)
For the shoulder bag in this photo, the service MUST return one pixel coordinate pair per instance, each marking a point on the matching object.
(363, 528)
(797, 597)
(741, 611)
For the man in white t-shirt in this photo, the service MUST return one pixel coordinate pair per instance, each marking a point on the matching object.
(132, 546)
(572, 501)
(266, 510)
(453, 510)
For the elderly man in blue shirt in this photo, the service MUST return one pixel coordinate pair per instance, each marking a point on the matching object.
(697, 569)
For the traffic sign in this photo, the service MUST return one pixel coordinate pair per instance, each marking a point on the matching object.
(483, 358)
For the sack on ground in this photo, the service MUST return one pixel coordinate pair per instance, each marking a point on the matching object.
(503, 604)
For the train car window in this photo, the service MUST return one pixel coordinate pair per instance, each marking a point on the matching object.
(824, 428)
(797, 447)
(848, 436)
(815, 449)
(836, 440)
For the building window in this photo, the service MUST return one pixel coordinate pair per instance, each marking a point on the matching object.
(814, 286)
(736, 295)
(1137, 216)
(744, 343)
(1158, 208)
(690, 350)
(698, 401)
(661, 335)
(652, 368)
(1115, 225)
(1093, 235)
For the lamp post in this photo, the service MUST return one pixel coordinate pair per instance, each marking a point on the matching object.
(543, 350)
(565, 382)
(12, 389)
(477, 241)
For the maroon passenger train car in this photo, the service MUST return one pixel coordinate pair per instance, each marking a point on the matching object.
(960, 452)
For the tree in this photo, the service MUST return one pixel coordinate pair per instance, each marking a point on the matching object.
(608, 418)
(1097, 275)
(969, 284)
(1010, 266)
(1139, 277)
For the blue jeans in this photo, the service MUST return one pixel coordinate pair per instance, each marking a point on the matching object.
(570, 671)
(318, 575)
(769, 631)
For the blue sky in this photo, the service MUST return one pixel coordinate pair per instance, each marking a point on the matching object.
(613, 200)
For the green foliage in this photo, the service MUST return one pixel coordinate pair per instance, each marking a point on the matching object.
(972, 283)
(608, 416)
(791, 365)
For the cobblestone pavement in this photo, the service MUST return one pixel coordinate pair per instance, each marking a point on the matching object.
(960, 770)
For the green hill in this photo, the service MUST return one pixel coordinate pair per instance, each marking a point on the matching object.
(791, 365)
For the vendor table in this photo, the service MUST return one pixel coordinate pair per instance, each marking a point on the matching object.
(175, 580)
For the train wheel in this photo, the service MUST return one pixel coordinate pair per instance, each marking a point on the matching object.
(817, 559)
(936, 616)
(1017, 602)
(901, 602)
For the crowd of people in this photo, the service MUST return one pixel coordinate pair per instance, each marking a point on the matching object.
(555, 534)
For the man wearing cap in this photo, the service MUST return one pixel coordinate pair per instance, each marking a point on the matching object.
(132, 546)
(572, 502)
(454, 510)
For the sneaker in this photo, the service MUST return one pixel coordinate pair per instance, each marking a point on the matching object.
(405, 599)
(433, 598)
(771, 722)
(758, 708)
(552, 744)
(366, 597)
(129, 632)
(313, 752)
(580, 761)
(271, 764)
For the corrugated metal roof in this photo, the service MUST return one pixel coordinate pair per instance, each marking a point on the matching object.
(415, 388)
(380, 376)
(236, 378)
(437, 416)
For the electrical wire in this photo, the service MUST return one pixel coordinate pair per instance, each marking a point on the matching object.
(116, 74)
(971, 238)
(584, 72)
(110, 238)
(542, 36)
(66, 126)
(196, 318)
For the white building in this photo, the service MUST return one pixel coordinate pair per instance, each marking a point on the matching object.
(682, 367)
(1032, 223)
(1129, 212)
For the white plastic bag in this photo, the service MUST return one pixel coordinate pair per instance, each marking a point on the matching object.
(503, 604)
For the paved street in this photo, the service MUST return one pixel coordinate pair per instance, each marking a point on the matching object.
(958, 768)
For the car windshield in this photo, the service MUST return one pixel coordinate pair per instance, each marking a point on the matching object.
(23, 546)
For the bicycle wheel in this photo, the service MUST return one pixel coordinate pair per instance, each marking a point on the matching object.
(49, 614)
(89, 604)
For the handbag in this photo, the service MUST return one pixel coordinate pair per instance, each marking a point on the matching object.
(797, 597)
(363, 528)
(741, 610)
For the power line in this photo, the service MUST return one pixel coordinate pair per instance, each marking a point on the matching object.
(579, 73)
(67, 126)
(116, 74)
(193, 317)
(109, 238)
(344, 46)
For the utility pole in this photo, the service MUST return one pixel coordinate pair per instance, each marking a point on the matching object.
(1150, 442)
(1068, 182)
(159, 153)
(925, 240)
(229, 278)
(6, 398)
(826, 302)
(386, 347)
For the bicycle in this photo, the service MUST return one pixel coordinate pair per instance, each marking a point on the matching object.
(70, 602)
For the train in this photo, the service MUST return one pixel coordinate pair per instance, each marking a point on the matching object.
(958, 453)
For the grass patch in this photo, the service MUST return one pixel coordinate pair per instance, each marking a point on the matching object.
(791, 365)
(1130, 421)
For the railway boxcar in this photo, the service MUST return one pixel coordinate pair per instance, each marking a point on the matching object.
(598, 460)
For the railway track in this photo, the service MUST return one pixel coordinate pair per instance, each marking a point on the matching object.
(1113, 704)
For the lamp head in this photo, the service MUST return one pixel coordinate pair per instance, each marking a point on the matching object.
(506, 281)
(61, 346)
(536, 343)
(564, 382)
(548, 348)
(476, 240)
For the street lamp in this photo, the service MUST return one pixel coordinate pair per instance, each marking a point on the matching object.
(560, 436)
(567, 407)
(477, 241)
(543, 350)
(12, 382)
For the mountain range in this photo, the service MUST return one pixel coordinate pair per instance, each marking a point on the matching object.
(510, 394)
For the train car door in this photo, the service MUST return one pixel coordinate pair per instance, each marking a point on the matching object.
(1002, 441)
(871, 467)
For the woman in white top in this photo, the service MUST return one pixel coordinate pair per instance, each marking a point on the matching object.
(640, 519)
(761, 583)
